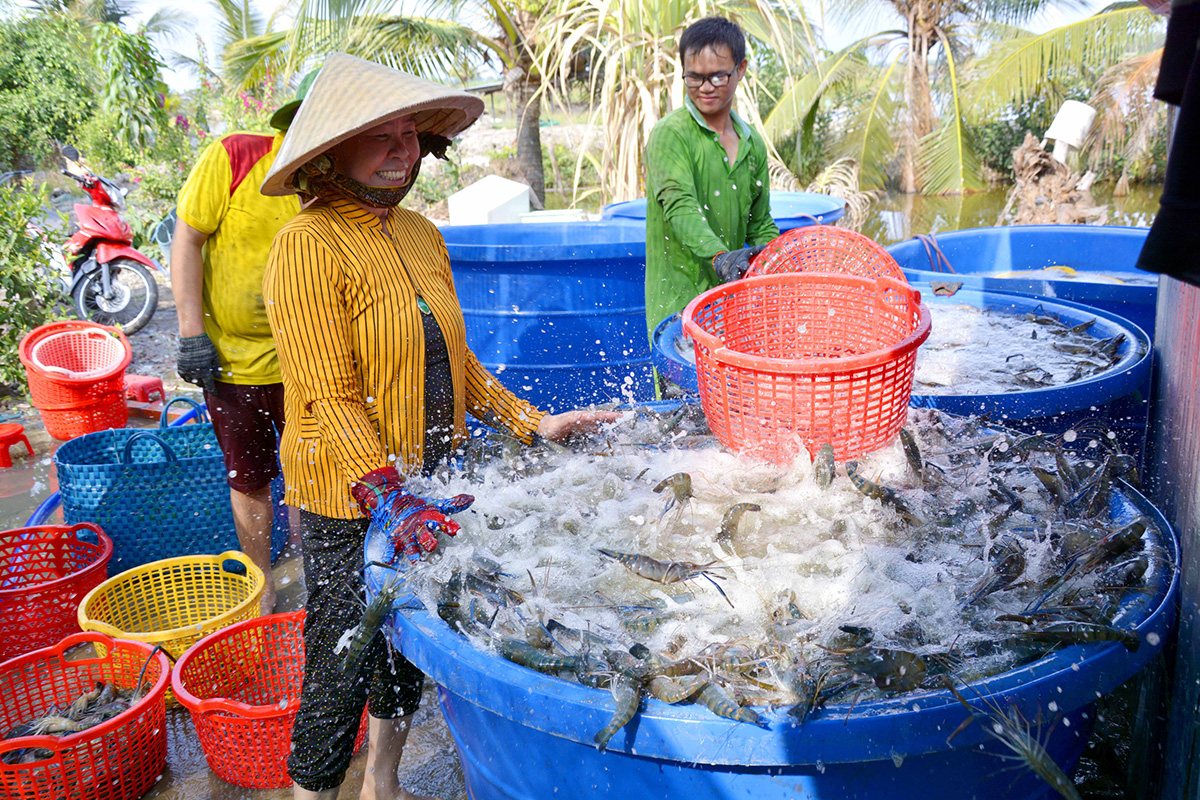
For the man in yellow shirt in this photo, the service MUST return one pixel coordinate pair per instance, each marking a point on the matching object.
(225, 229)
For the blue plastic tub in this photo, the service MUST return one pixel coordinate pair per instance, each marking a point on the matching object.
(1115, 397)
(521, 734)
(981, 257)
(557, 311)
(788, 209)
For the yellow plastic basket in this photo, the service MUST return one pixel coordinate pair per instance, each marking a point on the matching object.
(174, 602)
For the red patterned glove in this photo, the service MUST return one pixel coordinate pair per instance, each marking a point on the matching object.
(411, 523)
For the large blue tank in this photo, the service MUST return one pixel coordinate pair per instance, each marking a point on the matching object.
(522, 735)
(1115, 398)
(556, 311)
(1102, 258)
(788, 209)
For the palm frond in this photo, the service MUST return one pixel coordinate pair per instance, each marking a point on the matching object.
(247, 62)
(168, 23)
(237, 20)
(420, 45)
(841, 180)
(800, 98)
(781, 176)
(1128, 118)
(868, 138)
(321, 22)
(948, 161)
(192, 64)
(1012, 11)
(1019, 69)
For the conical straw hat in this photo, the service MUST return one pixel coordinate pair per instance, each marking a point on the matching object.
(351, 95)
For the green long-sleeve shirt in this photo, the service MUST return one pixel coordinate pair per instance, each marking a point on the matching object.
(698, 205)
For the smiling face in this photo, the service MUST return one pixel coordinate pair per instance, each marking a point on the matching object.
(383, 156)
(712, 100)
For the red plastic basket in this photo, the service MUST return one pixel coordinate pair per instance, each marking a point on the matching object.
(44, 574)
(116, 760)
(824, 248)
(76, 375)
(804, 358)
(242, 687)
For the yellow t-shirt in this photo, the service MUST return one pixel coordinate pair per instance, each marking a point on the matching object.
(222, 198)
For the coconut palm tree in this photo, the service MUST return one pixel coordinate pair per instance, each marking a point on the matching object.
(916, 89)
(518, 23)
(636, 71)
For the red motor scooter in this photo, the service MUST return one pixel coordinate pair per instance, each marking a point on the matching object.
(109, 280)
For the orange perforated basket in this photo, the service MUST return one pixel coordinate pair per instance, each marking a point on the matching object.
(800, 359)
(44, 574)
(76, 375)
(824, 248)
(120, 759)
(242, 687)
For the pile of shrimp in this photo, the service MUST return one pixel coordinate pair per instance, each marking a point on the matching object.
(647, 560)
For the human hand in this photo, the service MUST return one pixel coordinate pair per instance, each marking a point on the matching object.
(558, 427)
(411, 523)
(731, 265)
(198, 362)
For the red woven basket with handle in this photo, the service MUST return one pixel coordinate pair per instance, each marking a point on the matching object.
(242, 687)
(76, 375)
(824, 248)
(796, 360)
(45, 572)
(119, 759)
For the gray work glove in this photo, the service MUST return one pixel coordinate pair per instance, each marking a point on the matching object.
(731, 265)
(198, 362)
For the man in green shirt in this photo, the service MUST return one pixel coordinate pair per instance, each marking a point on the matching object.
(707, 188)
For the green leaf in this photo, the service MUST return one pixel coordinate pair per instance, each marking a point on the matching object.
(805, 94)
(1021, 68)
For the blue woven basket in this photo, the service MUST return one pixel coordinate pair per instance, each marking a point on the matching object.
(157, 495)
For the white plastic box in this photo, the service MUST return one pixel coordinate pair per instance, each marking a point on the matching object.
(489, 200)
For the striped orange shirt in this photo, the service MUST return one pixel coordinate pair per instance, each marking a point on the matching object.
(341, 295)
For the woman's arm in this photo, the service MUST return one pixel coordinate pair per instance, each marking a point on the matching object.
(489, 401)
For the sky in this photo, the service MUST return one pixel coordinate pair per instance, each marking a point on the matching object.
(205, 16)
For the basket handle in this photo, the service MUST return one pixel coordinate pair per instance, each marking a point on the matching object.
(86, 527)
(201, 412)
(45, 742)
(239, 709)
(170, 454)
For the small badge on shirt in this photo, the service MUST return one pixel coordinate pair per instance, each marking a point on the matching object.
(421, 304)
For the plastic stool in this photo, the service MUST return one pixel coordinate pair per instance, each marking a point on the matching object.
(143, 387)
(10, 434)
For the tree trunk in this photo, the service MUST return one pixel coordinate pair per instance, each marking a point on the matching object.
(529, 140)
(917, 96)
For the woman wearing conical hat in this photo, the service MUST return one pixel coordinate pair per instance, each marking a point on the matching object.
(377, 381)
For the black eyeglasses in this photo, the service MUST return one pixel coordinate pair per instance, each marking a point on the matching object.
(717, 79)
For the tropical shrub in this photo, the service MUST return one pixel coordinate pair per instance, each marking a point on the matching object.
(44, 88)
(133, 92)
(30, 292)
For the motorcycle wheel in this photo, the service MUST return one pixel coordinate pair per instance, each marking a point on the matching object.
(132, 302)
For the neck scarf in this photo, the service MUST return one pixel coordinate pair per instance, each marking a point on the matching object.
(320, 175)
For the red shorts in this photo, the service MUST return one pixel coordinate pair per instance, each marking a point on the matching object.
(248, 421)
